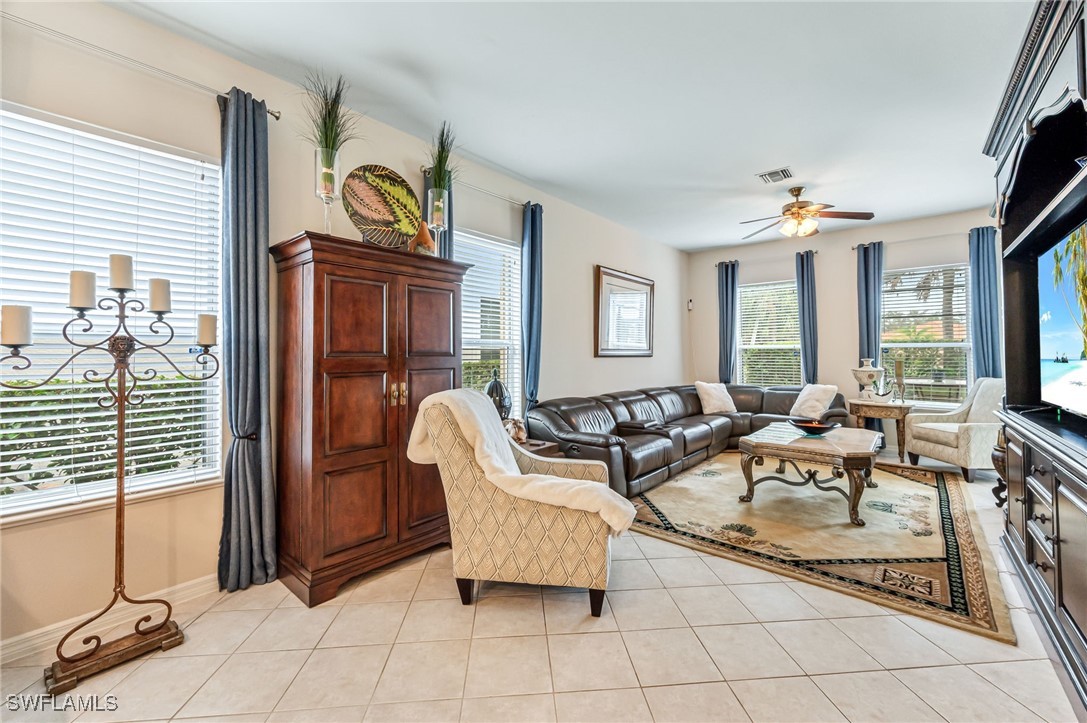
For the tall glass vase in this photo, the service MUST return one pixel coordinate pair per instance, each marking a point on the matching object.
(326, 164)
(437, 200)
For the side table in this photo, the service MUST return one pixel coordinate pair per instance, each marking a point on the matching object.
(864, 409)
(540, 448)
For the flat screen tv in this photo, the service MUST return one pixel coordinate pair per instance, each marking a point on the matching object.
(1062, 309)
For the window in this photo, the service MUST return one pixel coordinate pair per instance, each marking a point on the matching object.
(70, 196)
(769, 334)
(491, 312)
(926, 324)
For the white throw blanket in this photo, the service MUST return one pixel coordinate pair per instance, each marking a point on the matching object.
(482, 427)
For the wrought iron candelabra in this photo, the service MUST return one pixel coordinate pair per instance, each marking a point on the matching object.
(122, 389)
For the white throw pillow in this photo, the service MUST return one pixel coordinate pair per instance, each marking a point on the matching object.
(715, 398)
(814, 399)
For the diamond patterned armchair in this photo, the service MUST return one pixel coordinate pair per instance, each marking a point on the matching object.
(964, 436)
(497, 536)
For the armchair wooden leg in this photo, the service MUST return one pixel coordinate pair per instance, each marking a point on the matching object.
(464, 586)
(596, 602)
(914, 458)
(967, 474)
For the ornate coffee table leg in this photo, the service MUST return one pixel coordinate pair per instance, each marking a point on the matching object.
(856, 489)
(868, 481)
(900, 429)
(746, 460)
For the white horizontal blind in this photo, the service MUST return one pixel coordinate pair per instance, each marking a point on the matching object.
(627, 326)
(769, 334)
(926, 324)
(68, 199)
(491, 312)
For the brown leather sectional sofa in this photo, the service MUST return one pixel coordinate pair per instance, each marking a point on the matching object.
(649, 435)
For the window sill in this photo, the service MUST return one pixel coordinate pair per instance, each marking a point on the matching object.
(106, 501)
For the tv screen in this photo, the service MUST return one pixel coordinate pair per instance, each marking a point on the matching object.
(1062, 308)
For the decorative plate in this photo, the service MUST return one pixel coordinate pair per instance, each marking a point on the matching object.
(382, 206)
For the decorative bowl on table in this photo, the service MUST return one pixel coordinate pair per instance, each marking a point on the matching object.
(813, 427)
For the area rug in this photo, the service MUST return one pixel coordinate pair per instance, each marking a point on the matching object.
(921, 550)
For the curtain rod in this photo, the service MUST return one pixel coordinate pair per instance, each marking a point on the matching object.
(426, 172)
(814, 251)
(123, 58)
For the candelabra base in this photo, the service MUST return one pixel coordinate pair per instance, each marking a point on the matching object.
(61, 677)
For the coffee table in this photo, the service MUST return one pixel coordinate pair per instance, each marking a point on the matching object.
(849, 453)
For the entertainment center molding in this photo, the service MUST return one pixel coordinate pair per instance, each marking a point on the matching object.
(1039, 141)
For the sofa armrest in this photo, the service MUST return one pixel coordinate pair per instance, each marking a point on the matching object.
(955, 417)
(638, 426)
(835, 414)
(592, 439)
(978, 435)
(529, 463)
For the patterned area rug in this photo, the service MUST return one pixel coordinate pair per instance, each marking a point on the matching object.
(921, 550)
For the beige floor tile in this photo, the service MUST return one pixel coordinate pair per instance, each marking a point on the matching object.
(602, 706)
(290, 629)
(441, 558)
(710, 606)
(98, 685)
(437, 583)
(731, 572)
(695, 702)
(254, 597)
(336, 677)
(365, 624)
(970, 648)
(437, 620)
(1033, 683)
(774, 602)
(669, 657)
(246, 683)
(509, 709)
(423, 671)
(590, 661)
(893, 643)
(417, 561)
(1009, 582)
(215, 633)
(351, 714)
(632, 575)
(625, 548)
(158, 688)
(490, 588)
(959, 694)
(683, 572)
(874, 696)
(500, 617)
(653, 547)
(430, 711)
(819, 647)
(395, 586)
(570, 613)
(508, 666)
(15, 680)
(342, 595)
(237, 718)
(762, 656)
(645, 609)
(831, 604)
(785, 700)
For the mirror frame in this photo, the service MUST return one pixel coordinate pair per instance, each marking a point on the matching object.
(602, 274)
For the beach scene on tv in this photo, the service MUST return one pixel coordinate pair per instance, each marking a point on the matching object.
(1062, 305)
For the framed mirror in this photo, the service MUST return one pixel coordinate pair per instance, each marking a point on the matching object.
(624, 314)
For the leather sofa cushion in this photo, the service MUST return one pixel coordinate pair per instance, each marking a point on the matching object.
(583, 415)
(779, 400)
(639, 405)
(747, 398)
(741, 423)
(696, 435)
(645, 453)
(720, 426)
(691, 402)
(758, 421)
(944, 433)
(673, 405)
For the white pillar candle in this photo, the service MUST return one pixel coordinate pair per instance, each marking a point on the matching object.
(120, 272)
(160, 296)
(15, 325)
(81, 289)
(205, 329)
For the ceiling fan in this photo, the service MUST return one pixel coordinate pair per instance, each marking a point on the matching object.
(801, 218)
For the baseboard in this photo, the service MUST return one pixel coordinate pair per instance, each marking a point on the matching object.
(46, 638)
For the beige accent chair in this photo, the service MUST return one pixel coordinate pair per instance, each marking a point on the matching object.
(499, 537)
(965, 436)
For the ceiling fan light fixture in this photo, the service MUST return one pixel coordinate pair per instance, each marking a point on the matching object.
(807, 227)
(789, 228)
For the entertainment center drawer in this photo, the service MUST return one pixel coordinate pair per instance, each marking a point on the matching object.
(1040, 468)
(1039, 510)
(1041, 563)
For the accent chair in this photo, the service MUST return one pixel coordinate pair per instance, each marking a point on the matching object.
(964, 436)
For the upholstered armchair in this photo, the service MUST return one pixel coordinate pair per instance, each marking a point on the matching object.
(497, 536)
(963, 437)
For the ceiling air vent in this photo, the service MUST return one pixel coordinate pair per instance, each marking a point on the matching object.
(777, 175)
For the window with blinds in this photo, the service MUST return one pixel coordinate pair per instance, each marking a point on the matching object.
(491, 312)
(926, 325)
(70, 196)
(769, 334)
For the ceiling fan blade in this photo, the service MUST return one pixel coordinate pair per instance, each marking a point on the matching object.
(856, 215)
(818, 207)
(756, 220)
(775, 223)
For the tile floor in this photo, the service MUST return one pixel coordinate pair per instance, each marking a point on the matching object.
(683, 637)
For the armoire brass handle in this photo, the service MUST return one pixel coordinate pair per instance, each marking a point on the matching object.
(392, 395)
(403, 394)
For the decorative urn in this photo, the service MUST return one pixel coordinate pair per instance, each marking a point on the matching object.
(869, 377)
(498, 393)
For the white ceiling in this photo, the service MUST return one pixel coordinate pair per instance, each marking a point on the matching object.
(659, 115)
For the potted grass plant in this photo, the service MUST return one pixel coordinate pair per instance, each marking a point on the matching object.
(332, 124)
(442, 173)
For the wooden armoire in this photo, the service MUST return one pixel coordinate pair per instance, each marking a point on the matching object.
(365, 334)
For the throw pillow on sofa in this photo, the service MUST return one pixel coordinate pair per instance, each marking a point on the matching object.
(813, 401)
(715, 398)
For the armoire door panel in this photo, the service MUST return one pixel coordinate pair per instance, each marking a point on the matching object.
(356, 411)
(431, 313)
(358, 508)
(422, 498)
(356, 316)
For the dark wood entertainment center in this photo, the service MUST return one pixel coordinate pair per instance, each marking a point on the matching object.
(1039, 140)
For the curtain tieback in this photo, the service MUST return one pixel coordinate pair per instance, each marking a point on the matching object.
(250, 437)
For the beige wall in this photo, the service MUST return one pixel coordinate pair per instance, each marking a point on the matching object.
(919, 242)
(58, 569)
